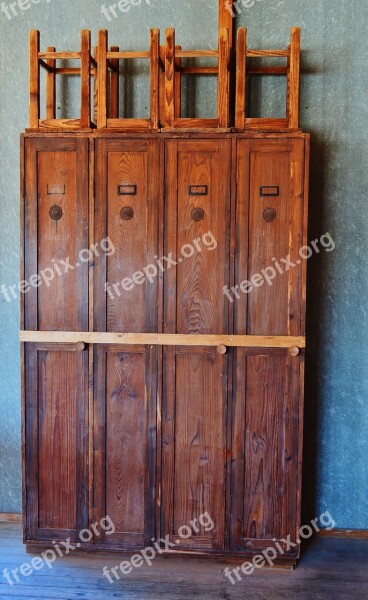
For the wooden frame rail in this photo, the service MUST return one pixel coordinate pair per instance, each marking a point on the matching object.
(163, 339)
(174, 70)
(291, 70)
(47, 60)
(108, 84)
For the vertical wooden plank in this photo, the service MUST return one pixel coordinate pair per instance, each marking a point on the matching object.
(195, 383)
(169, 77)
(102, 79)
(223, 79)
(294, 78)
(51, 87)
(22, 326)
(288, 87)
(241, 78)
(85, 79)
(34, 79)
(95, 88)
(62, 178)
(226, 18)
(154, 78)
(114, 86)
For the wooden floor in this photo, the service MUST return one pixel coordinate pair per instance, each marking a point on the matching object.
(330, 568)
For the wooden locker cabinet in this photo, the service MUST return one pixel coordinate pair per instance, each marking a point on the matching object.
(156, 435)
(56, 217)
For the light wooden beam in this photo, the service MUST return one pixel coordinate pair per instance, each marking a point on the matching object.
(162, 339)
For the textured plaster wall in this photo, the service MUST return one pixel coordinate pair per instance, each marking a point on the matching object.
(334, 110)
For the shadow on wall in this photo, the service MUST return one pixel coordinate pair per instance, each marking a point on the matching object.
(315, 307)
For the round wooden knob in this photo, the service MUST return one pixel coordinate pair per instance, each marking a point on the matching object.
(56, 212)
(269, 215)
(294, 351)
(127, 213)
(197, 214)
(221, 349)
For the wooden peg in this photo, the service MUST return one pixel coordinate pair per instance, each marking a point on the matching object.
(222, 349)
(294, 351)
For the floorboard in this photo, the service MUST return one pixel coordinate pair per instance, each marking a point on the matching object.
(330, 568)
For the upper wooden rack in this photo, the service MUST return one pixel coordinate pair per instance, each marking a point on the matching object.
(166, 69)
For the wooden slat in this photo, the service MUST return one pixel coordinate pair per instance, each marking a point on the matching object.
(85, 79)
(59, 55)
(241, 78)
(199, 70)
(154, 77)
(267, 70)
(129, 123)
(270, 53)
(294, 78)
(102, 79)
(226, 18)
(67, 70)
(95, 88)
(71, 124)
(223, 79)
(195, 123)
(163, 339)
(34, 79)
(10, 517)
(196, 53)
(51, 88)
(169, 77)
(114, 86)
(121, 55)
(266, 123)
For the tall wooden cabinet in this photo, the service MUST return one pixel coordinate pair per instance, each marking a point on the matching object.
(163, 329)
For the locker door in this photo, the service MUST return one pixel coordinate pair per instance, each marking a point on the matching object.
(194, 395)
(56, 375)
(268, 384)
(269, 235)
(126, 300)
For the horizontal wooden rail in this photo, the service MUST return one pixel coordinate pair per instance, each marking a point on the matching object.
(196, 53)
(60, 55)
(267, 53)
(267, 70)
(162, 339)
(121, 55)
(199, 70)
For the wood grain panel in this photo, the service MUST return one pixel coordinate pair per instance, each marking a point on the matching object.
(273, 306)
(194, 299)
(194, 395)
(57, 441)
(57, 175)
(194, 413)
(265, 448)
(125, 442)
(127, 176)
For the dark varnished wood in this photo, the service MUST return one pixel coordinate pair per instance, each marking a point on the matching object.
(174, 431)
